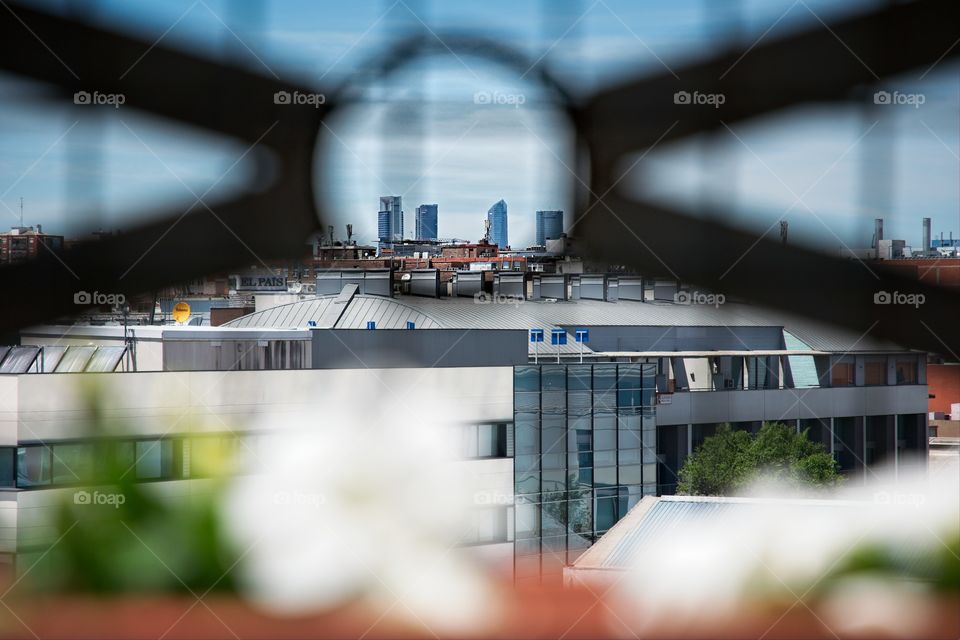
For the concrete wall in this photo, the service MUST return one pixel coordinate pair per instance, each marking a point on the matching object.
(49, 406)
(673, 338)
(786, 404)
(426, 348)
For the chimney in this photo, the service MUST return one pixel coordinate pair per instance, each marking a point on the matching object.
(926, 235)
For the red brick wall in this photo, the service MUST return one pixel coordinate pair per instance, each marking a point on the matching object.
(944, 383)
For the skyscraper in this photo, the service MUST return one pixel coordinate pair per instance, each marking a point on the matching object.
(390, 219)
(497, 215)
(426, 222)
(549, 225)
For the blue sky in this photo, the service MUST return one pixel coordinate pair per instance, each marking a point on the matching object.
(423, 135)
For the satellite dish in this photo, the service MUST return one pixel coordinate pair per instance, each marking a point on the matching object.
(181, 312)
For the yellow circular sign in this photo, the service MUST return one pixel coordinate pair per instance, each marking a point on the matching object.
(181, 312)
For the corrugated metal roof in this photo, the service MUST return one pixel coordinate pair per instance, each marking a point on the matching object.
(673, 514)
(467, 313)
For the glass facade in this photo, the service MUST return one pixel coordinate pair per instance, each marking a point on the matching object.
(585, 444)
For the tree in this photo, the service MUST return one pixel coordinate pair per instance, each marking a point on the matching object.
(729, 460)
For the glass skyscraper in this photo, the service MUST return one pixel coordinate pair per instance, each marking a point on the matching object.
(549, 225)
(390, 219)
(426, 222)
(497, 215)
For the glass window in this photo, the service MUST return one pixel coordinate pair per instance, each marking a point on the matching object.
(527, 463)
(33, 466)
(605, 377)
(630, 376)
(605, 458)
(553, 434)
(581, 478)
(526, 379)
(154, 459)
(605, 513)
(579, 402)
(527, 482)
(605, 476)
(906, 370)
(580, 515)
(631, 474)
(528, 521)
(526, 401)
(604, 440)
(72, 463)
(554, 481)
(553, 402)
(553, 378)
(875, 371)
(526, 434)
(8, 457)
(841, 374)
(629, 398)
(579, 377)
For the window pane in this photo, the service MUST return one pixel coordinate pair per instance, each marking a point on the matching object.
(553, 378)
(8, 456)
(526, 401)
(526, 378)
(875, 372)
(906, 371)
(154, 459)
(72, 463)
(33, 466)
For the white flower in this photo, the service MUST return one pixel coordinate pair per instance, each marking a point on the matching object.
(349, 504)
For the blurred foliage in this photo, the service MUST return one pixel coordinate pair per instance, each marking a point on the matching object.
(126, 535)
(937, 565)
(730, 460)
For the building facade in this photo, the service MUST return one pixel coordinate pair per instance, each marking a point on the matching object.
(426, 222)
(26, 243)
(497, 215)
(566, 438)
(549, 226)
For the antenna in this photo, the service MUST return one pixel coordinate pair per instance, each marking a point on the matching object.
(21, 211)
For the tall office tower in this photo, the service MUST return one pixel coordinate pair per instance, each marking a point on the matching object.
(391, 210)
(426, 222)
(549, 226)
(497, 215)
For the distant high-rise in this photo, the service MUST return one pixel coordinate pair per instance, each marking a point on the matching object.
(497, 215)
(390, 219)
(426, 222)
(549, 226)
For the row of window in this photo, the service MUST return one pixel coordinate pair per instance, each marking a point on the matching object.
(71, 463)
(843, 373)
